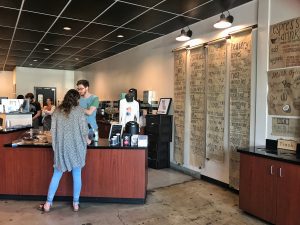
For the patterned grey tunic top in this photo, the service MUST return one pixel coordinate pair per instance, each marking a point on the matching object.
(69, 136)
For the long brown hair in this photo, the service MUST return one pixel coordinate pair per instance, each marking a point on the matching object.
(70, 100)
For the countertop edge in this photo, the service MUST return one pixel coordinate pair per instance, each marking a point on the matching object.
(10, 145)
(14, 130)
(293, 160)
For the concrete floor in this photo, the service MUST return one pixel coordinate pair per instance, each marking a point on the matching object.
(173, 199)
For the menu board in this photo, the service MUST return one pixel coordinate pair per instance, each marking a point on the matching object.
(198, 112)
(284, 92)
(216, 71)
(179, 103)
(287, 127)
(239, 94)
(284, 44)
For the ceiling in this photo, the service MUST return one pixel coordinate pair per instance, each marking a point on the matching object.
(32, 34)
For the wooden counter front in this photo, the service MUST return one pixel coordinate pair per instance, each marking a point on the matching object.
(118, 175)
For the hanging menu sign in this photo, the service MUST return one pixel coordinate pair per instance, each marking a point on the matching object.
(179, 103)
(284, 92)
(197, 102)
(240, 93)
(284, 44)
(216, 71)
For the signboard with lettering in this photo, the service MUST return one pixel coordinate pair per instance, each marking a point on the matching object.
(216, 71)
(284, 44)
(284, 92)
(197, 102)
(179, 103)
(239, 93)
(286, 127)
(287, 144)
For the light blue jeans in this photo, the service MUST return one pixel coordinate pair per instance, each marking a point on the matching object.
(76, 173)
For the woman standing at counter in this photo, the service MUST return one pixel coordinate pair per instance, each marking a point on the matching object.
(69, 131)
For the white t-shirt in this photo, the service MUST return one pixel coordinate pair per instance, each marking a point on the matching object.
(129, 111)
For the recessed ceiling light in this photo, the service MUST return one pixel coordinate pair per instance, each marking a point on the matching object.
(46, 49)
(120, 36)
(30, 64)
(77, 59)
(35, 60)
(67, 28)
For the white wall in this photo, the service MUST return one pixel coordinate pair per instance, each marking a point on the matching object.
(7, 87)
(146, 67)
(28, 78)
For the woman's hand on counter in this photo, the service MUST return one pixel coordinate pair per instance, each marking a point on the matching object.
(88, 141)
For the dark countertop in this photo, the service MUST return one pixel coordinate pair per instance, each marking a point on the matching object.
(11, 130)
(102, 144)
(17, 113)
(279, 154)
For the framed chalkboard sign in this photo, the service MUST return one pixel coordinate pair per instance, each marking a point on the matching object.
(114, 129)
(164, 105)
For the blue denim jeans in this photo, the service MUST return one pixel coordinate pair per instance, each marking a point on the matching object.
(76, 173)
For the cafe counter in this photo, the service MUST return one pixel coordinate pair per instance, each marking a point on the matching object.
(111, 174)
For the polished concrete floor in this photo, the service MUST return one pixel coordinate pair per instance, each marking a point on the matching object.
(173, 199)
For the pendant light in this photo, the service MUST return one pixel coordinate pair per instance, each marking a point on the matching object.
(224, 22)
(184, 35)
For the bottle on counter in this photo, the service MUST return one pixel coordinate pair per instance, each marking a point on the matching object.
(118, 138)
(96, 135)
(126, 140)
(113, 141)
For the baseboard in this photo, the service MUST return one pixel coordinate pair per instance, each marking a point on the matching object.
(198, 175)
(219, 183)
(185, 170)
(70, 198)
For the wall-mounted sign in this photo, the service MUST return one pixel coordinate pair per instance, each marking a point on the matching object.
(284, 92)
(284, 44)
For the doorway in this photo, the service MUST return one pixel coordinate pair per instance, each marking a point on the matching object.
(42, 93)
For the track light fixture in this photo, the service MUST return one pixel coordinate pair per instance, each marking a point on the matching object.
(224, 22)
(184, 35)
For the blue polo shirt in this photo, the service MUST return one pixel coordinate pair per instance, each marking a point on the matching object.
(86, 103)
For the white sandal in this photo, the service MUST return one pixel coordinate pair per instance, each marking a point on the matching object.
(75, 207)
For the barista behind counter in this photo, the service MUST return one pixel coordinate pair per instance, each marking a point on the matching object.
(129, 109)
